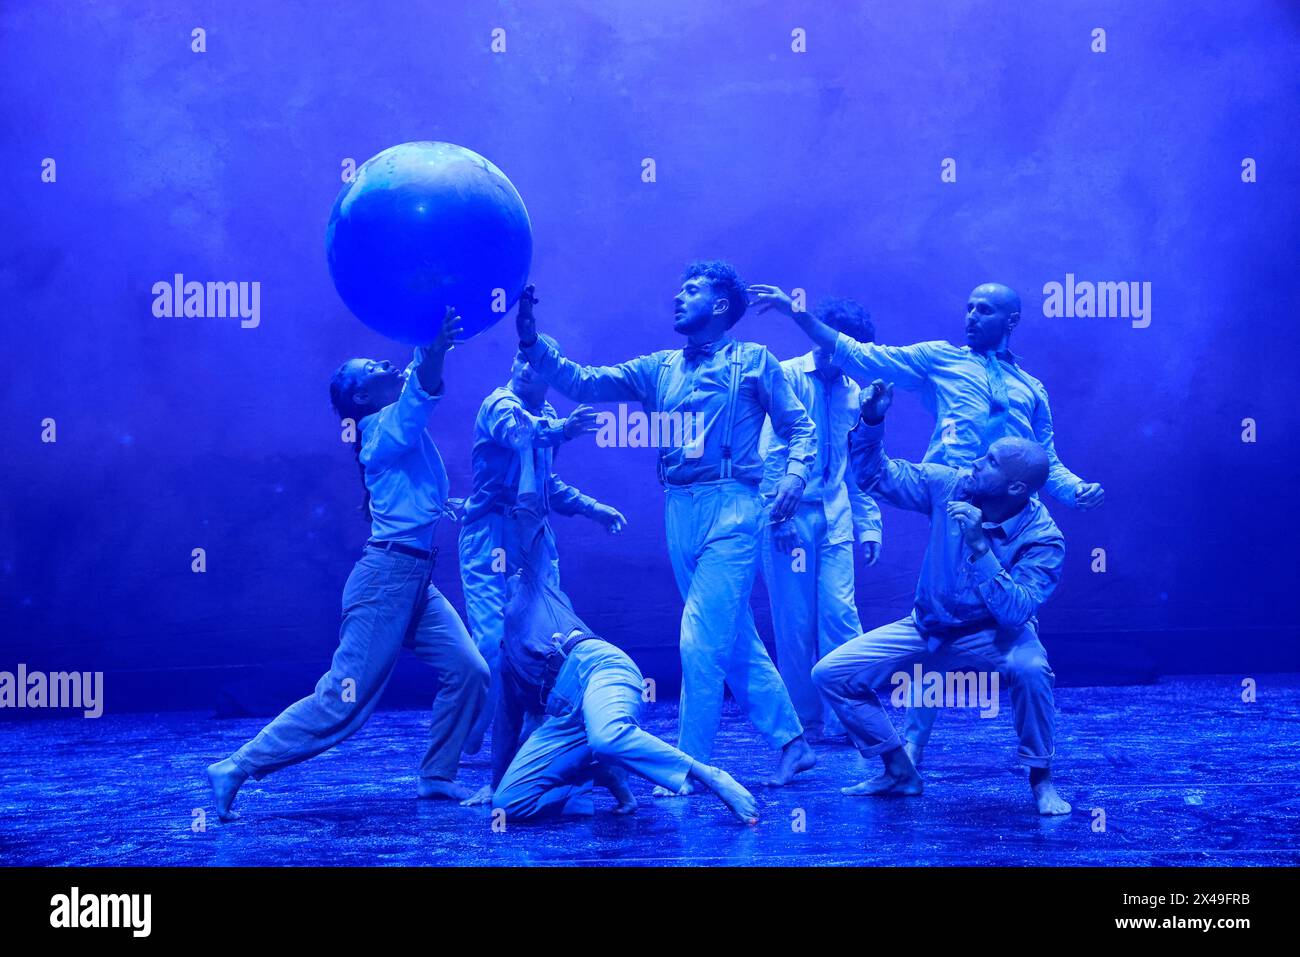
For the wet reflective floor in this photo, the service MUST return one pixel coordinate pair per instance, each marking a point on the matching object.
(1178, 773)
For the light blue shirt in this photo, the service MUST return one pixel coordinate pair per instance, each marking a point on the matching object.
(832, 404)
(1002, 589)
(404, 471)
(496, 463)
(975, 399)
(697, 381)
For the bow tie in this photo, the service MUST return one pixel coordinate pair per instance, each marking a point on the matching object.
(702, 351)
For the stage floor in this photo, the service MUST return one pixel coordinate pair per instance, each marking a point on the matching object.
(1184, 771)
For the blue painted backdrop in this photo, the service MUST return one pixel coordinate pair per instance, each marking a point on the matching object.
(818, 169)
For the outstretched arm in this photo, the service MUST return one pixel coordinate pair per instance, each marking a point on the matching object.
(631, 381)
(398, 426)
(900, 483)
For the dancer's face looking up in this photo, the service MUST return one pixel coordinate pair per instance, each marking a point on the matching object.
(525, 382)
(372, 383)
(992, 311)
(698, 306)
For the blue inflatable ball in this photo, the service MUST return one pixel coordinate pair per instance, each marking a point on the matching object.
(424, 226)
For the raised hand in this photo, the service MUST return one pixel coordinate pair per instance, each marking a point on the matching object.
(580, 421)
(969, 519)
(519, 433)
(430, 368)
(525, 322)
(766, 298)
(876, 400)
(445, 341)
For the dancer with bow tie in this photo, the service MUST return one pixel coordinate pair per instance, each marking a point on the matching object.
(714, 510)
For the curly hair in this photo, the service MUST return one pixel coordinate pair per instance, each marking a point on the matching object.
(722, 276)
(846, 316)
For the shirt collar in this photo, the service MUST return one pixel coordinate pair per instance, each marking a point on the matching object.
(706, 349)
(1006, 355)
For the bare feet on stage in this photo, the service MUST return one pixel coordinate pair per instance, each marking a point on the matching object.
(796, 757)
(898, 780)
(443, 790)
(1049, 802)
(614, 780)
(225, 778)
(732, 793)
(662, 792)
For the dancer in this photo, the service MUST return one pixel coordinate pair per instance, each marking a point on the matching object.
(489, 551)
(993, 558)
(978, 394)
(389, 600)
(585, 692)
(713, 505)
(811, 591)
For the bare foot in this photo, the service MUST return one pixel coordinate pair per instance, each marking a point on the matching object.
(662, 792)
(443, 790)
(482, 796)
(898, 780)
(225, 778)
(914, 752)
(732, 793)
(885, 785)
(796, 757)
(1049, 802)
(614, 780)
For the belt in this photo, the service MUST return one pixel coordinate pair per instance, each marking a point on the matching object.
(401, 549)
(555, 661)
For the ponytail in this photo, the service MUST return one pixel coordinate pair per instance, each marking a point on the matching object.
(345, 408)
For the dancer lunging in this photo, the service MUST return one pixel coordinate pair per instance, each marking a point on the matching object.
(389, 601)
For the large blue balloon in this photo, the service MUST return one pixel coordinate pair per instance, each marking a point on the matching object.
(424, 226)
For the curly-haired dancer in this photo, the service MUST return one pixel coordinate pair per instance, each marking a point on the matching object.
(713, 506)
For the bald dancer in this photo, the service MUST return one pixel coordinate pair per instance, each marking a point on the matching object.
(978, 394)
(993, 558)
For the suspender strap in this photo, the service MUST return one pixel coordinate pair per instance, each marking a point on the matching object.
(659, 405)
(730, 422)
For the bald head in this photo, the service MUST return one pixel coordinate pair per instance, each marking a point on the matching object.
(992, 311)
(1020, 460)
